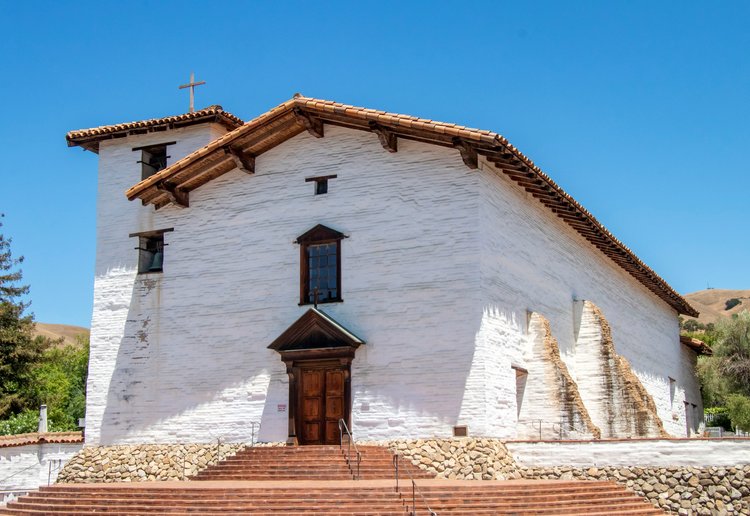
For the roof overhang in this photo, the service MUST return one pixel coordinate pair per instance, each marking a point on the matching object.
(697, 345)
(238, 149)
(7, 441)
(89, 138)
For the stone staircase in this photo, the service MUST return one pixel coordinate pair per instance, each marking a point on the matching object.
(317, 480)
(306, 463)
(533, 497)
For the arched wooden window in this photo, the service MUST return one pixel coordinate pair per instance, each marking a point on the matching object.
(320, 265)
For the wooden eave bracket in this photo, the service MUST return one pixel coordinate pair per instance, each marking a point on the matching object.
(177, 196)
(387, 138)
(468, 153)
(313, 125)
(242, 161)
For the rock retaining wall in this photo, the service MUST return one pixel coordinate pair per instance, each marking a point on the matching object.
(145, 462)
(462, 459)
(680, 490)
(684, 490)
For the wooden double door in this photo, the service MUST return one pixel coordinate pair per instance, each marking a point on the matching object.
(322, 401)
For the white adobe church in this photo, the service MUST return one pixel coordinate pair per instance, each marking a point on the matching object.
(325, 262)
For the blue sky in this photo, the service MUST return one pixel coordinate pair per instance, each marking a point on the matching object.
(638, 109)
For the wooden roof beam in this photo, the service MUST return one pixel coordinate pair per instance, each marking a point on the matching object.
(313, 125)
(244, 162)
(387, 138)
(176, 196)
(468, 153)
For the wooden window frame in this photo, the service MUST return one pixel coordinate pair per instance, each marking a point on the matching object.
(319, 235)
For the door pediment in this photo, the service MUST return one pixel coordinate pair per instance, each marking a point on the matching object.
(315, 330)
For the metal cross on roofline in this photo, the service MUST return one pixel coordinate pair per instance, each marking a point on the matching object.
(192, 84)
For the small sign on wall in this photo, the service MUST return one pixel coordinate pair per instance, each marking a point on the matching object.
(281, 408)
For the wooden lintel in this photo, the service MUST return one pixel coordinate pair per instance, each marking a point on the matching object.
(313, 125)
(387, 138)
(177, 196)
(468, 153)
(243, 161)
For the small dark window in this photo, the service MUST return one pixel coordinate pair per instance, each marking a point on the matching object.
(153, 158)
(151, 250)
(151, 256)
(320, 268)
(321, 183)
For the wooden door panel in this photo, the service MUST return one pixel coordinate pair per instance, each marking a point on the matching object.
(332, 432)
(322, 404)
(312, 382)
(335, 382)
(311, 432)
(311, 409)
(334, 407)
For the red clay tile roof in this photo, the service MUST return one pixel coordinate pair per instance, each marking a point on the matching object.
(696, 345)
(303, 113)
(89, 138)
(7, 441)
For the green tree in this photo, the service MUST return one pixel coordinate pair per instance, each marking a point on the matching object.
(692, 325)
(725, 376)
(739, 411)
(732, 352)
(58, 380)
(19, 350)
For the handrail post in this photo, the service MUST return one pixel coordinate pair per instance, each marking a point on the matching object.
(396, 461)
(395, 467)
(350, 442)
(413, 497)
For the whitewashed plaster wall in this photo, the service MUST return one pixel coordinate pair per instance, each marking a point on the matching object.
(116, 258)
(551, 404)
(636, 452)
(533, 262)
(29, 466)
(440, 268)
(193, 364)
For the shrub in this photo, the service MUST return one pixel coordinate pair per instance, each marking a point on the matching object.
(718, 416)
(26, 421)
(738, 407)
(731, 303)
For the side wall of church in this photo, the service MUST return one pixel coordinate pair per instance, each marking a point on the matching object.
(182, 355)
(533, 262)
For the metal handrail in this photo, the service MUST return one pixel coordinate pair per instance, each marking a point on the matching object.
(342, 427)
(414, 489)
(253, 424)
(560, 428)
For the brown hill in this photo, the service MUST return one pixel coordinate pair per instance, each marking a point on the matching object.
(711, 303)
(66, 331)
